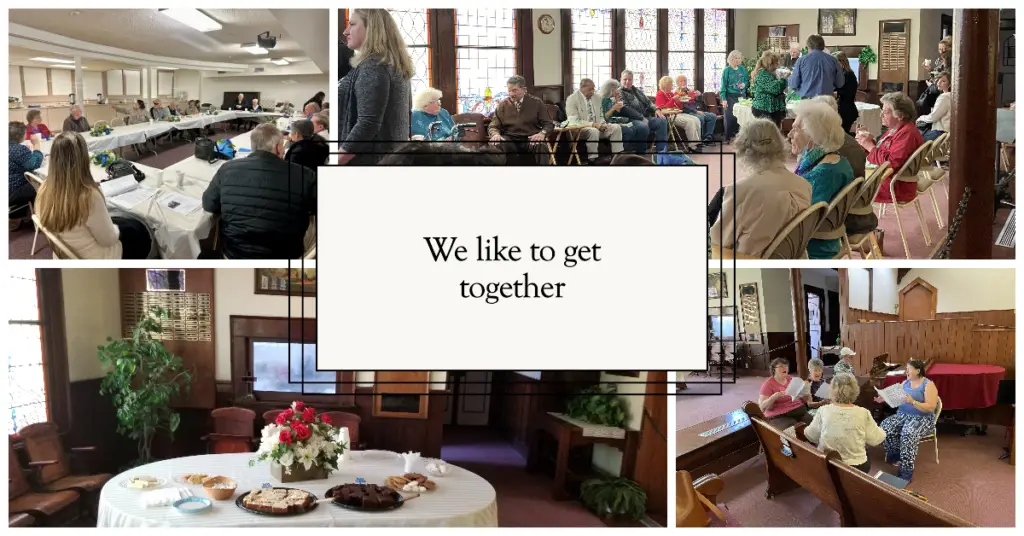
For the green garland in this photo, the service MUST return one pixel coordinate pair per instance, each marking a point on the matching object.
(867, 56)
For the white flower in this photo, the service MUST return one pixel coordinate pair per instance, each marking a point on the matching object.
(286, 459)
(305, 456)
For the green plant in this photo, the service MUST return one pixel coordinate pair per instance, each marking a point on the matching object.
(142, 378)
(614, 497)
(598, 405)
(867, 56)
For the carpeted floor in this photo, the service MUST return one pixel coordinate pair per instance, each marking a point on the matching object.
(692, 408)
(524, 500)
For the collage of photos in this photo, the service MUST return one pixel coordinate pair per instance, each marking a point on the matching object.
(188, 395)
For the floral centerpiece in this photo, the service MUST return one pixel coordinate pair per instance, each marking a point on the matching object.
(301, 445)
(100, 129)
(174, 119)
(104, 158)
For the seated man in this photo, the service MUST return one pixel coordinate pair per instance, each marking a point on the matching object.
(310, 110)
(264, 202)
(320, 125)
(522, 121)
(635, 99)
(584, 107)
(306, 149)
(76, 122)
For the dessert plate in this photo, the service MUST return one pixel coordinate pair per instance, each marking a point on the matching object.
(398, 504)
(158, 482)
(239, 503)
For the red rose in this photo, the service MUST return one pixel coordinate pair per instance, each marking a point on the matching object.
(326, 419)
(302, 432)
(295, 424)
(309, 414)
(288, 414)
(285, 437)
(282, 419)
(299, 405)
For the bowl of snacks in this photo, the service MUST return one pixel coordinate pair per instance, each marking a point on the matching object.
(220, 488)
(438, 468)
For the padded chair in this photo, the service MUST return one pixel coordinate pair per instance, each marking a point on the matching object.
(42, 443)
(933, 438)
(270, 416)
(791, 242)
(932, 172)
(908, 173)
(23, 500)
(60, 248)
(833, 225)
(348, 420)
(232, 431)
(863, 205)
(713, 104)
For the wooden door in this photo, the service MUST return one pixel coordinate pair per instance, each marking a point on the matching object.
(651, 469)
(893, 56)
(918, 301)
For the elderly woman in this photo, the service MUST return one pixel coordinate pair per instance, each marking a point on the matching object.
(373, 98)
(850, 150)
(816, 137)
(34, 125)
(634, 127)
(815, 378)
(844, 427)
(774, 401)
(769, 90)
(936, 123)
(686, 98)
(19, 160)
(896, 146)
(136, 114)
(734, 87)
(689, 124)
(426, 111)
(914, 419)
(767, 199)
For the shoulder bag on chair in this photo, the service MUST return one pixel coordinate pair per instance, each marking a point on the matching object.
(123, 168)
(204, 150)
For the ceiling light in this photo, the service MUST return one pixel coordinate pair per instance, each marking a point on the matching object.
(53, 60)
(65, 67)
(194, 18)
(167, 68)
(253, 48)
(279, 61)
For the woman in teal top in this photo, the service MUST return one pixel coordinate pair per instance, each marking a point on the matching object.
(914, 419)
(816, 137)
(769, 91)
(426, 110)
(734, 87)
(635, 129)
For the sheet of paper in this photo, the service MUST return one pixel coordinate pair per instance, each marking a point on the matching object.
(825, 391)
(128, 200)
(893, 395)
(795, 388)
(118, 186)
(182, 204)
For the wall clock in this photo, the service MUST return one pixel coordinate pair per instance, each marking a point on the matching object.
(546, 24)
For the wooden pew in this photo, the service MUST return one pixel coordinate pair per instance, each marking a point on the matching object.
(715, 445)
(869, 502)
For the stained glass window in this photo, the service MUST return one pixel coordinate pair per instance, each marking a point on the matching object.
(26, 388)
(642, 48)
(485, 44)
(414, 25)
(715, 53)
(591, 45)
(682, 44)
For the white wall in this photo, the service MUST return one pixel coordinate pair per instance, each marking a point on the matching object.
(92, 312)
(609, 458)
(547, 50)
(188, 81)
(885, 295)
(777, 300)
(968, 289)
(272, 88)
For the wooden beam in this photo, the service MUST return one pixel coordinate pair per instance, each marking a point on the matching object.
(567, 53)
(799, 321)
(972, 159)
(844, 302)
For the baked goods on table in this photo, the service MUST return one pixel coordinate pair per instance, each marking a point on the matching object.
(411, 482)
(365, 496)
(194, 478)
(279, 500)
(142, 482)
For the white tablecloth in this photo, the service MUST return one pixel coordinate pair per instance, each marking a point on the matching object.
(870, 115)
(462, 499)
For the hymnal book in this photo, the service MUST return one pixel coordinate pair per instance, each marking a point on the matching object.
(893, 395)
(795, 388)
(825, 391)
(892, 480)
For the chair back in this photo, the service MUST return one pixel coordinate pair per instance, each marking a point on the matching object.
(689, 510)
(60, 248)
(833, 224)
(236, 421)
(908, 173)
(711, 102)
(940, 148)
(791, 242)
(270, 416)
(17, 483)
(938, 410)
(344, 419)
(42, 443)
(861, 96)
(872, 185)
(35, 180)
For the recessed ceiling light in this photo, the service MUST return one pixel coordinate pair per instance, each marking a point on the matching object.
(253, 48)
(279, 61)
(194, 18)
(53, 60)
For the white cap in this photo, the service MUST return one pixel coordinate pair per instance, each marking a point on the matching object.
(846, 351)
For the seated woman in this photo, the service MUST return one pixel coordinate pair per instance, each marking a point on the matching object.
(427, 110)
(34, 121)
(845, 364)
(136, 114)
(896, 146)
(71, 205)
(766, 200)
(844, 427)
(689, 124)
(774, 401)
(635, 129)
(192, 108)
(686, 98)
(816, 372)
(816, 138)
(768, 89)
(19, 160)
(936, 123)
(914, 419)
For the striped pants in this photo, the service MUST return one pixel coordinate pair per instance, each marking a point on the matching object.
(903, 432)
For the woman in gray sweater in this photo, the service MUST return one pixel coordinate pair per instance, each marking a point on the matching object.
(375, 96)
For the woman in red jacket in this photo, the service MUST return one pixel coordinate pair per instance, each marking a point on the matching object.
(896, 146)
(666, 99)
(34, 120)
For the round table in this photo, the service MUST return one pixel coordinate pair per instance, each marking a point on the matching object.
(961, 386)
(462, 499)
(870, 115)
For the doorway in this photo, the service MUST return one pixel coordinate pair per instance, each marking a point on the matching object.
(815, 316)
(470, 401)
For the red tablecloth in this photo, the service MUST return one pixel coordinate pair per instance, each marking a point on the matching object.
(961, 386)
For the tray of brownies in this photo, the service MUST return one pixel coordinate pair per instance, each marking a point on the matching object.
(277, 501)
(365, 497)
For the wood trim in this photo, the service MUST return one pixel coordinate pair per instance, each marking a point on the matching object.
(50, 293)
(384, 383)
(524, 45)
(441, 24)
(918, 282)
(844, 301)
(799, 320)
(618, 43)
(730, 28)
(871, 289)
(651, 466)
(698, 60)
(662, 61)
(567, 52)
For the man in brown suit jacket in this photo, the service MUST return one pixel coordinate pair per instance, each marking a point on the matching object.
(521, 123)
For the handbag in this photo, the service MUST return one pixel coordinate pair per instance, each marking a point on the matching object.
(123, 168)
(204, 150)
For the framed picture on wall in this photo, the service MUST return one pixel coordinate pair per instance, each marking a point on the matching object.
(717, 285)
(837, 22)
(286, 282)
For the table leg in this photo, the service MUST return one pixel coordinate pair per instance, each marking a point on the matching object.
(552, 149)
(574, 140)
(561, 467)
(672, 135)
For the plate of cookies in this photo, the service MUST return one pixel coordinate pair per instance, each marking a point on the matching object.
(277, 501)
(366, 497)
(192, 479)
(411, 483)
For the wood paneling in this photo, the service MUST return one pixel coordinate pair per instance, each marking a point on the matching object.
(856, 316)
(651, 471)
(1004, 318)
(918, 301)
(402, 435)
(401, 384)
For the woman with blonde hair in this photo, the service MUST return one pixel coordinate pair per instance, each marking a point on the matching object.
(844, 427)
(689, 124)
(71, 205)
(374, 97)
(769, 90)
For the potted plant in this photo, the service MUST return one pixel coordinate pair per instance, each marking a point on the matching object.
(301, 445)
(142, 378)
(598, 405)
(614, 497)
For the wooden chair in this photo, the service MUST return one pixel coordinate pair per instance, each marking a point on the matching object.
(232, 431)
(344, 419)
(270, 416)
(42, 506)
(863, 205)
(37, 182)
(791, 242)
(42, 443)
(713, 104)
(908, 173)
(932, 173)
(60, 248)
(933, 437)
(833, 224)
(695, 500)
(862, 96)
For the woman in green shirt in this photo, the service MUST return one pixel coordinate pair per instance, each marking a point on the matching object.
(769, 90)
(734, 87)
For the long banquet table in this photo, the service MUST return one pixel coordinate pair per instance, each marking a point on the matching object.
(870, 115)
(461, 499)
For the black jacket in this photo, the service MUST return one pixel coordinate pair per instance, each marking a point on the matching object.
(309, 153)
(264, 205)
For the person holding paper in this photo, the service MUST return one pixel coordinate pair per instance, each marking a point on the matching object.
(914, 419)
(845, 427)
(774, 400)
(815, 381)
